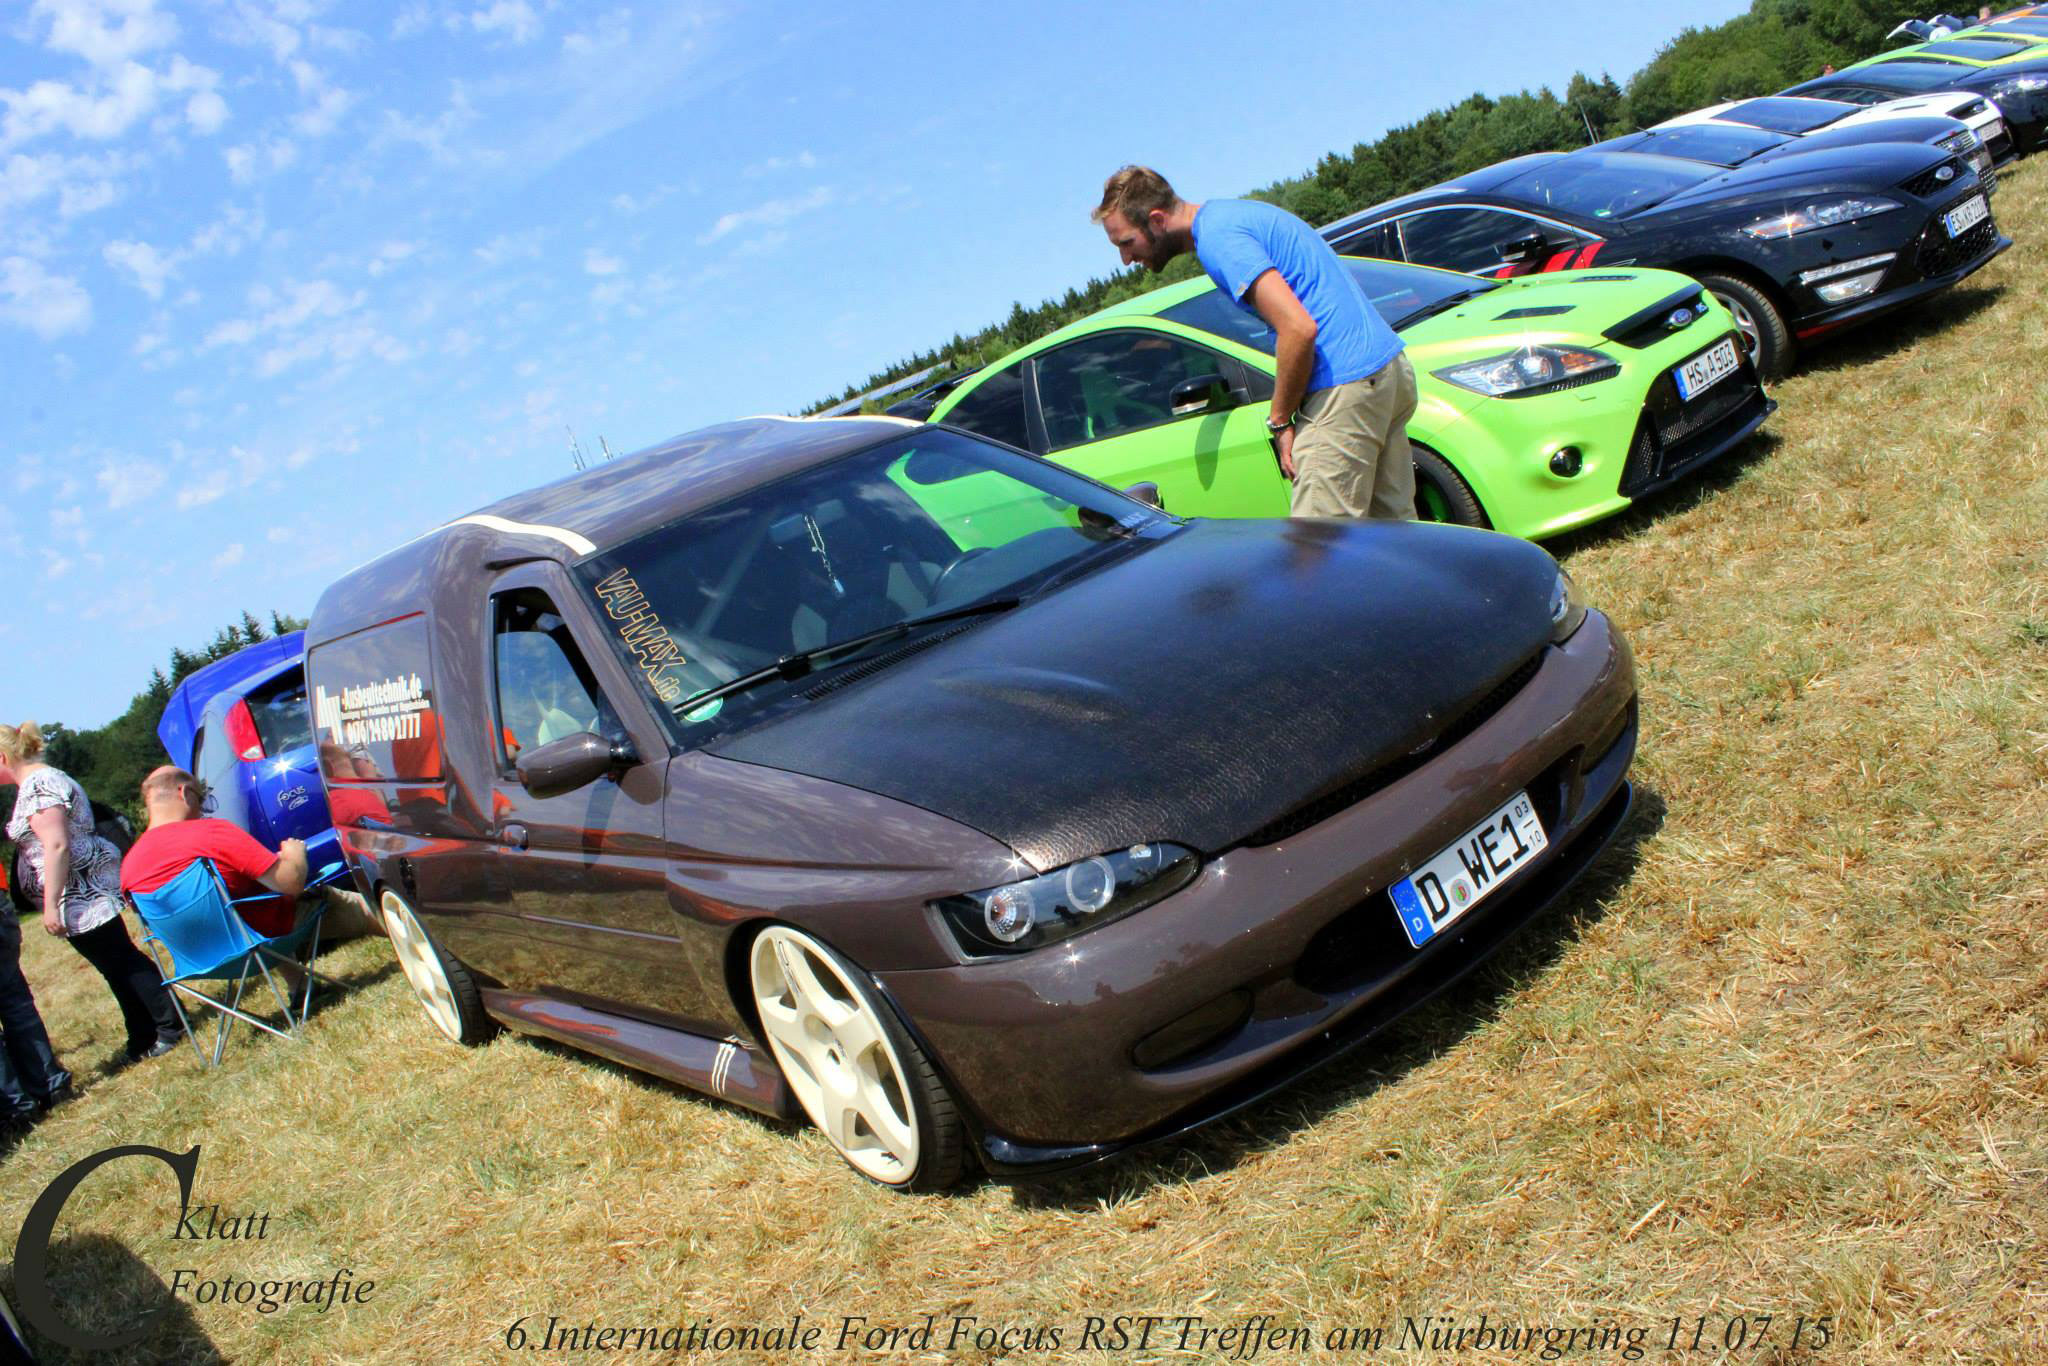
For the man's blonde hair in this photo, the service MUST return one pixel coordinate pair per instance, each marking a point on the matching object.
(1134, 191)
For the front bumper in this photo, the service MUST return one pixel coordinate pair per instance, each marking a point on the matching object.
(1280, 954)
(1929, 261)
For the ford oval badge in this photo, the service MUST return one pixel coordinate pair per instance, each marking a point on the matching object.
(1680, 319)
(1945, 173)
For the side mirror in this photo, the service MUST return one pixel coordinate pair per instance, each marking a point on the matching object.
(1147, 493)
(571, 762)
(1202, 394)
(1522, 249)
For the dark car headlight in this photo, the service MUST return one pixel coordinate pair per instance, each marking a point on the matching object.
(1019, 916)
(1567, 608)
(2018, 85)
(1531, 370)
(1821, 213)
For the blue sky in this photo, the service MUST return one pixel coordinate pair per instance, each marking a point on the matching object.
(284, 283)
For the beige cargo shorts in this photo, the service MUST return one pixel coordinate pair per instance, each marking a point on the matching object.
(1351, 456)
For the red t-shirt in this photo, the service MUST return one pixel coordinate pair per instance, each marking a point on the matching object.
(164, 851)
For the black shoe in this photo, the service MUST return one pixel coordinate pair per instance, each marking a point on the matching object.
(156, 1050)
(57, 1097)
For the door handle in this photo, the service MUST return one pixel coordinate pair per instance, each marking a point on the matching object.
(512, 834)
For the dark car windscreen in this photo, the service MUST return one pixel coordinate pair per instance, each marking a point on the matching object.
(1397, 290)
(1909, 77)
(1787, 115)
(1717, 144)
(936, 522)
(2036, 24)
(279, 711)
(1976, 49)
(1610, 186)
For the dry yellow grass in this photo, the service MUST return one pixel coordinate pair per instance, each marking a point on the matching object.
(1783, 1056)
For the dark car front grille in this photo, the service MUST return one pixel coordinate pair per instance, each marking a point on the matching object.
(1320, 809)
(1931, 181)
(2000, 147)
(1675, 436)
(1939, 253)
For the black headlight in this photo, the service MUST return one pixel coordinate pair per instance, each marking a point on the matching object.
(1024, 915)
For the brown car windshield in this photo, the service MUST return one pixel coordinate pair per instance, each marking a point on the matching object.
(928, 526)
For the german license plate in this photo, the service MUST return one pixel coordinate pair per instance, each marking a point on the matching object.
(1710, 366)
(1961, 219)
(1472, 869)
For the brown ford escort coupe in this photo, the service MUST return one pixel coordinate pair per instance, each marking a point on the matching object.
(973, 809)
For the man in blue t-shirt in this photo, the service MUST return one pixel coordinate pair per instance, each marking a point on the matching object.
(1344, 390)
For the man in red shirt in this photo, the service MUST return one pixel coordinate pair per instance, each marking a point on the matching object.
(178, 834)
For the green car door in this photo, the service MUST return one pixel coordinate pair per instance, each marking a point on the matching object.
(1108, 403)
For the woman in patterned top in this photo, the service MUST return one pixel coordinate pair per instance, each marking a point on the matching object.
(76, 876)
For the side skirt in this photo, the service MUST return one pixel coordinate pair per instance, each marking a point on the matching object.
(725, 1068)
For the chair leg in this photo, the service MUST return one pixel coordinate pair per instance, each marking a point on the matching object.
(157, 955)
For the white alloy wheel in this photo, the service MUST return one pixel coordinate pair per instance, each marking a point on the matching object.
(829, 1038)
(422, 964)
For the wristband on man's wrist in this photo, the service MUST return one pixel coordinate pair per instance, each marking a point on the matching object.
(1277, 427)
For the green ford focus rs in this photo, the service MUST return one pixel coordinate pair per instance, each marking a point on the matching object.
(1544, 402)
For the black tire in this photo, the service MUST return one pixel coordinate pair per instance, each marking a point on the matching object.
(444, 987)
(1440, 495)
(836, 1029)
(1759, 320)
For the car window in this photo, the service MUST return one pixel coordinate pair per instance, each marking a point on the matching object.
(1609, 185)
(886, 535)
(279, 710)
(545, 690)
(1399, 291)
(1115, 382)
(1379, 240)
(1464, 239)
(1786, 114)
(1717, 144)
(995, 408)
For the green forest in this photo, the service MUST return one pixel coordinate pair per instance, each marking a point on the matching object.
(1776, 44)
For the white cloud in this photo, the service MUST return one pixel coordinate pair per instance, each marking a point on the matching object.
(596, 262)
(206, 112)
(389, 255)
(612, 31)
(208, 488)
(128, 482)
(148, 265)
(47, 305)
(105, 32)
(416, 18)
(234, 229)
(56, 567)
(249, 159)
(435, 135)
(513, 18)
(105, 110)
(229, 557)
(802, 161)
(282, 313)
(772, 214)
(507, 247)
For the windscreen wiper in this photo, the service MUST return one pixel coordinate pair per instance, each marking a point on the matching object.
(794, 666)
(1449, 301)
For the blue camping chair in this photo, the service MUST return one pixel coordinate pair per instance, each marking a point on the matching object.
(191, 928)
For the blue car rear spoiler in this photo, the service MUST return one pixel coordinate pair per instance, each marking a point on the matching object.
(239, 672)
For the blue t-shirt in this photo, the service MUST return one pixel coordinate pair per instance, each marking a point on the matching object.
(1238, 240)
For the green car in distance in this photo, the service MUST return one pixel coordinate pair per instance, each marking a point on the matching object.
(1544, 402)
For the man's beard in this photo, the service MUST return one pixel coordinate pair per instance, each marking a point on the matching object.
(1159, 252)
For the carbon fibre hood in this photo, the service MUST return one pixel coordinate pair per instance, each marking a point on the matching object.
(1194, 690)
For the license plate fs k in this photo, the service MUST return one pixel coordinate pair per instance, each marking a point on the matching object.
(1473, 868)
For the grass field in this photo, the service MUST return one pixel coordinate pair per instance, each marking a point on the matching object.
(1783, 1055)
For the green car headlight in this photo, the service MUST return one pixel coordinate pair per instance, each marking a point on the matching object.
(1531, 370)
(1567, 608)
(1019, 916)
(1822, 213)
